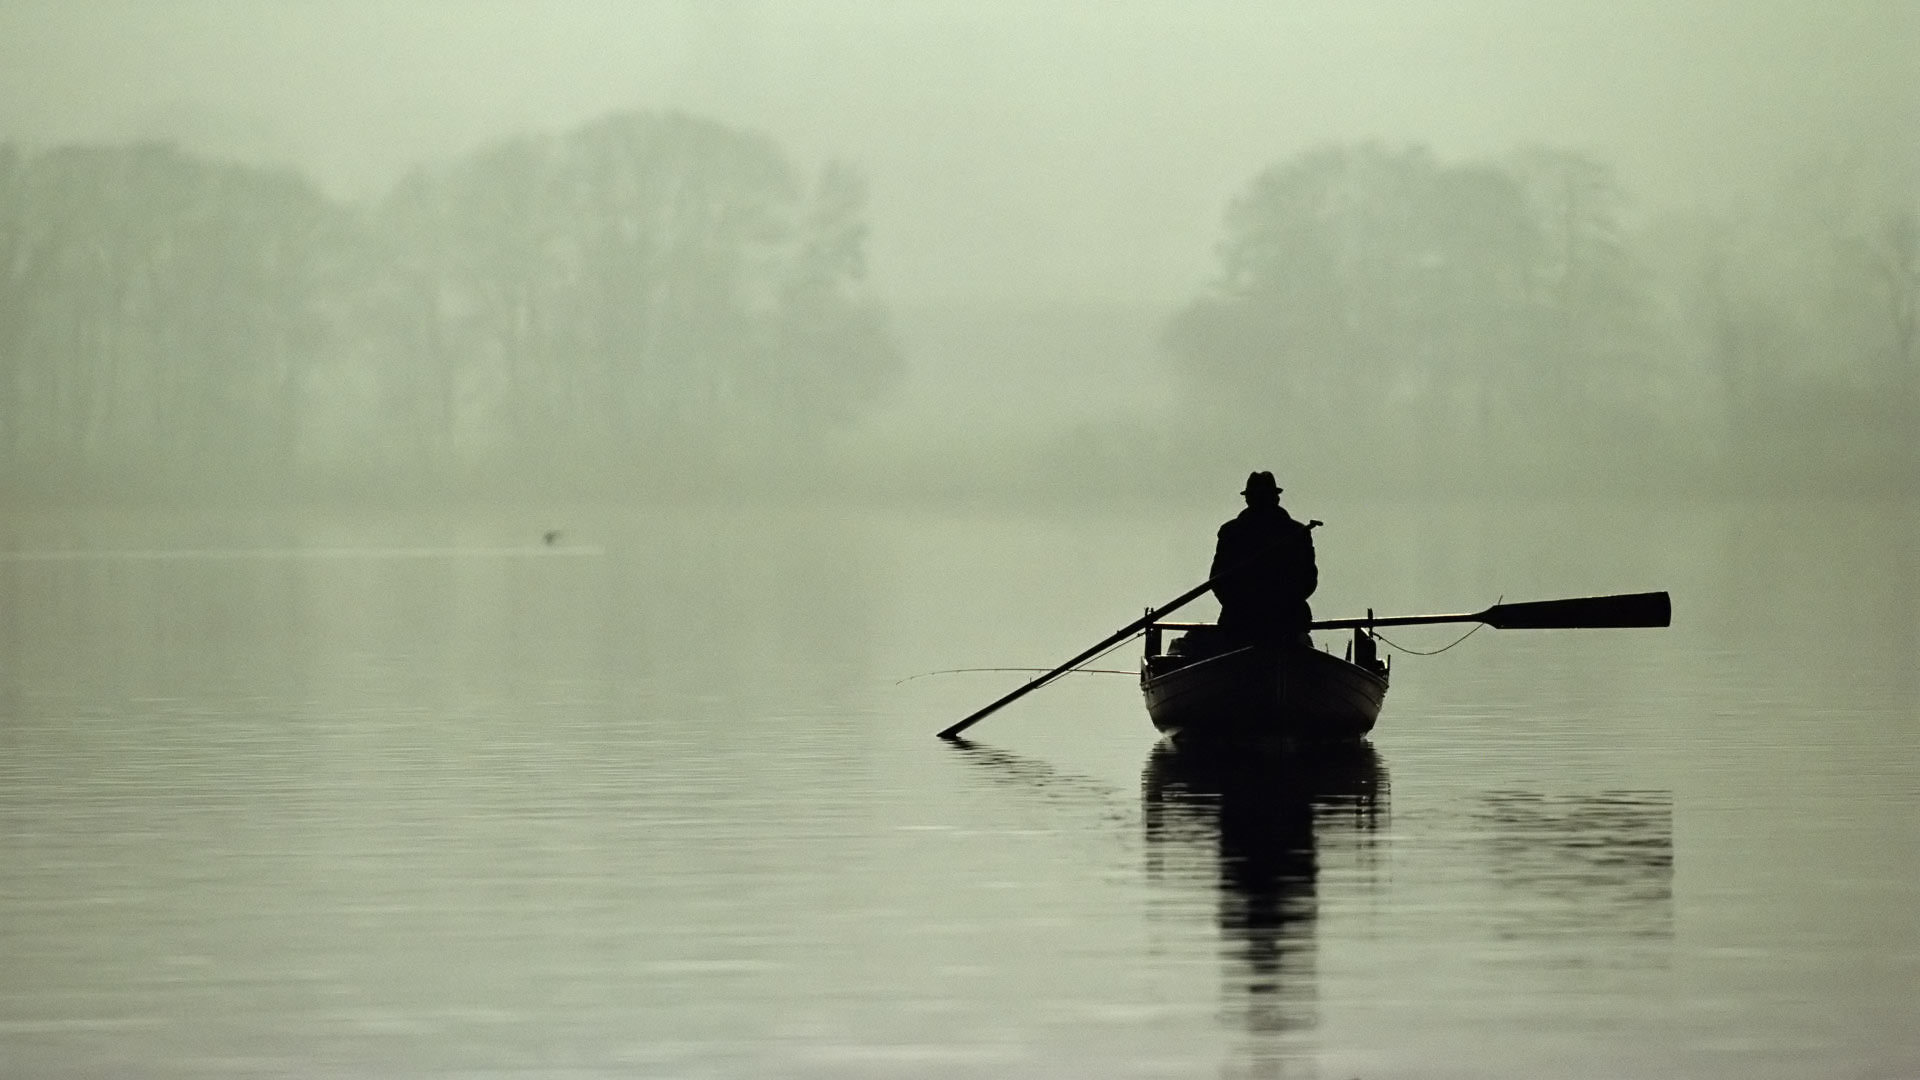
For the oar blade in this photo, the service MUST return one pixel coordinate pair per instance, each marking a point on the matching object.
(1583, 612)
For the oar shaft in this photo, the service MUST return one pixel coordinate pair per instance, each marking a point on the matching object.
(1394, 620)
(1115, 638)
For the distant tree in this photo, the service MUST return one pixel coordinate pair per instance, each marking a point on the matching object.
(1369, 293)
(1900, 268)
(1805, 321)
(157, 310)
(405, 368)
(1889, 259)
(1312, 264)
(1749, 340)
(1868, 325)
(18, 263)
(1593, 335)
(834, 356)
(644, 280)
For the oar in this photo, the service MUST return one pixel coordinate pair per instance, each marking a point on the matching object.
(1573, 613)
(1111, 640)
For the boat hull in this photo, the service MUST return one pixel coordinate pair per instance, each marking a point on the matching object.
(1272, 693)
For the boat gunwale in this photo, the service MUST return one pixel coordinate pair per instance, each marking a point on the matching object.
(1340, 663)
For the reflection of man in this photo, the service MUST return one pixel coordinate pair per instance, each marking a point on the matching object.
(1263, 569)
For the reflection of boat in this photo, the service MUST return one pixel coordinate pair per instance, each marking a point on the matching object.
(1260, 824)
(1268, 692)
(1343, 775)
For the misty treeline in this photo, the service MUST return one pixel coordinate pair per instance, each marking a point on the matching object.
(657, 299)
(1502, 324)
(646, 294)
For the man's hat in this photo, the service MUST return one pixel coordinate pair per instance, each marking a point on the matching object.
(1261, 483)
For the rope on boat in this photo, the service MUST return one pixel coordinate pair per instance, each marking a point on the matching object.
(1381, 638)
(1435, 652)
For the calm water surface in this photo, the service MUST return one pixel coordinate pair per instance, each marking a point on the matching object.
(431, 797)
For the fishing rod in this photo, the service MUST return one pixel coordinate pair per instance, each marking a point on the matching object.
(965, 670)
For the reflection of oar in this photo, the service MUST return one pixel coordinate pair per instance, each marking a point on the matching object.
(1108, 642)
(1037, 776)
(1573, 613)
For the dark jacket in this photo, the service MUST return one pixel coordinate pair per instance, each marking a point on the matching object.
(1263, 572)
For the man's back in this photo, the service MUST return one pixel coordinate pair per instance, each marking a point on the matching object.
(1264, 570)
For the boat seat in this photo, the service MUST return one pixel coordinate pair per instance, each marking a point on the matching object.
(1201, 641)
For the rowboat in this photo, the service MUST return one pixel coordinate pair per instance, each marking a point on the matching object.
(1211, 688)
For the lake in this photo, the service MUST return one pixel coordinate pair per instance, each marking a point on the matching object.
(427, 795)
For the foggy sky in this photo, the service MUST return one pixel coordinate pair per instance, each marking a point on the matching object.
(1076, 149)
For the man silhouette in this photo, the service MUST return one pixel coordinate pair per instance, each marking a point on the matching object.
(1263, 568)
